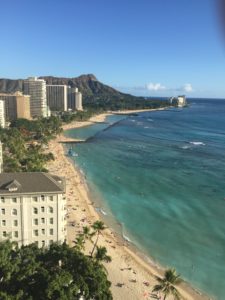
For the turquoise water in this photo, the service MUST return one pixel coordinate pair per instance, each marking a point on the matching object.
(84, 133)
(162, 175)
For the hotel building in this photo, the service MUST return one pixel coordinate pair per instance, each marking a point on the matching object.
(36, 88)
(32, 208)
(17, 106)
(2, 113)
(57, 97)
(74, 99)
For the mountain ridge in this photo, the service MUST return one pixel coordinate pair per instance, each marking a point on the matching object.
(91, 88)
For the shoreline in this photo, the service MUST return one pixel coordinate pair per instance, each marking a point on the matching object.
(129, 266)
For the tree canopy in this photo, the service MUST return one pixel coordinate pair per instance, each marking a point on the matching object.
(166, 285)
(57, 273)
(24, 144)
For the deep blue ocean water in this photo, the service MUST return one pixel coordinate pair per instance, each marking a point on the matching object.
(162, 176)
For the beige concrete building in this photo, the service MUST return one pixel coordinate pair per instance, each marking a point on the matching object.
(74, 99)
(17, 106)
(57, 97)
(32, 208)
(36, 88)
(2, 113)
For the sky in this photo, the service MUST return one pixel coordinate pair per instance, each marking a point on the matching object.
(142, 47)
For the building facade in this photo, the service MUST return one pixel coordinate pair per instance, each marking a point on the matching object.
(74, 99)
(181, 101)
(36, 88)
(32, 208)
(17, 106)
(79, 101)
(1, 158)
(57, 97)
(2, 113)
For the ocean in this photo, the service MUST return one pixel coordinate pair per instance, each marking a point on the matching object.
(161, 176)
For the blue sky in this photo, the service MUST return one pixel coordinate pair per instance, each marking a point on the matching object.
(144, 47)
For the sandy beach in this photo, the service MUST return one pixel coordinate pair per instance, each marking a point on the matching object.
(130, 275)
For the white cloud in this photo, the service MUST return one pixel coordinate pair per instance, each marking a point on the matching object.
(188, 88)
(155, 86)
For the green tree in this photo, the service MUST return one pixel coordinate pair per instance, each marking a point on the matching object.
(101, 254)
(55, 273)
(98, 227)
(166, 285)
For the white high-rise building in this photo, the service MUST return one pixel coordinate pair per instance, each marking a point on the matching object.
(57, 97)
(32, 208)
(74, 99)
(79, 101)
(2, 113)
(36, 88)
(1, 158)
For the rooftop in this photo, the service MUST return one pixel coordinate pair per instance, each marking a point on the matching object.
(30, 182)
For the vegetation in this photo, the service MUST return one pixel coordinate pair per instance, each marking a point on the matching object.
(166, 285)
(126, 103)
(25, 142)
(57, 273)
(98, 227)
(87, 235)
(80, 116)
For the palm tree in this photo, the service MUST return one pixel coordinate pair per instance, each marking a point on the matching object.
(98, 227)
(87, 233)
(167, 284)
(101, 255)
(79, 242)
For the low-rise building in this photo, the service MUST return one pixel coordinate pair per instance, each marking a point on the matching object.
(32, 208)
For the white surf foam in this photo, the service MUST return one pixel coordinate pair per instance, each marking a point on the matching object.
(197, 143)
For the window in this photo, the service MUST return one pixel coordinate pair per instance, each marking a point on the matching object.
(51, 221)
(15, 222)
(42, 220)
(4, 234)
(42, 231)
(34, 199)
(3, 211)
(51, 231)
(16, 234)
(42, 243)
(50, 209)
(35, 210)
(50, 198)
(2, 200)
(35, 232)
(42, 197)
(3, 222)
(42, 209)
(35, 221)
(14, 212)
(14, 200)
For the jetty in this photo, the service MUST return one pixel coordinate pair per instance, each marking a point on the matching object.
(65, 139)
